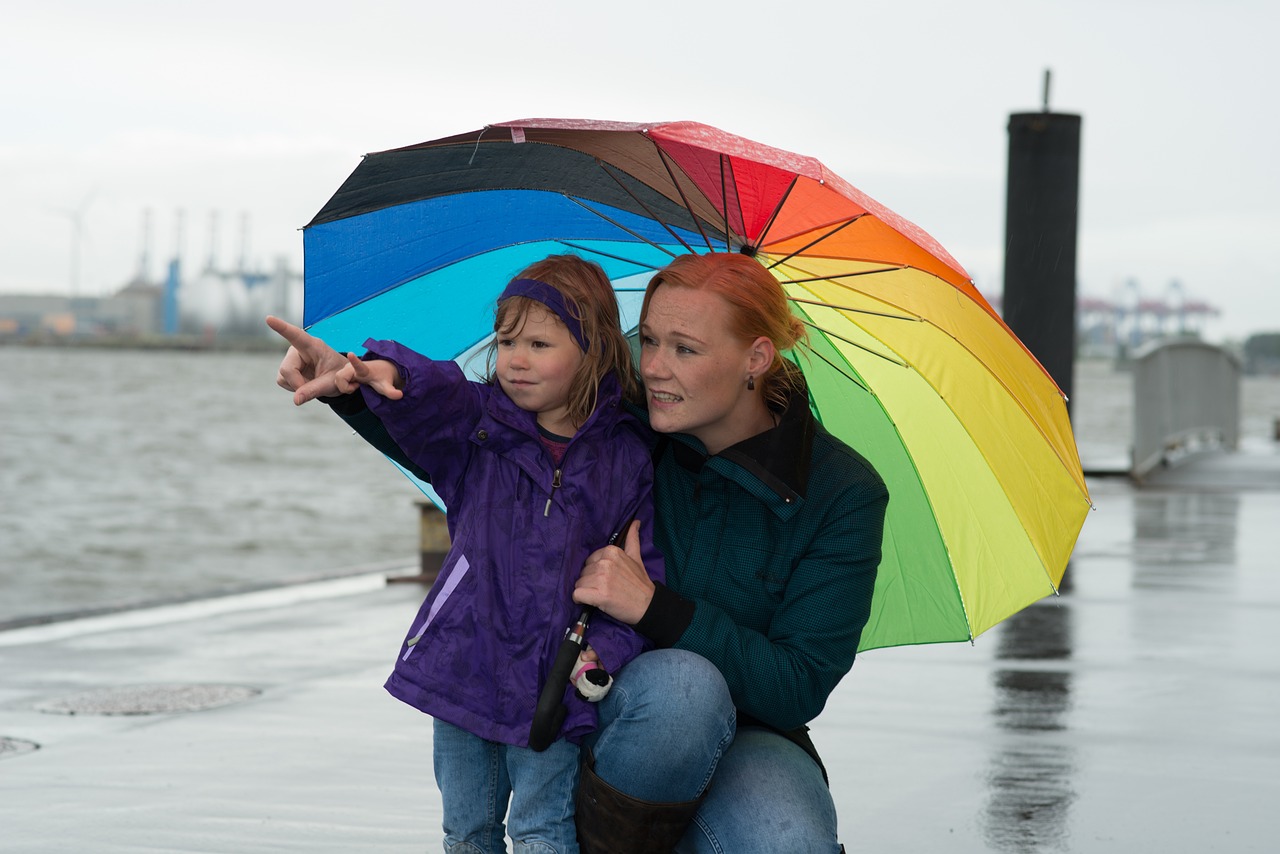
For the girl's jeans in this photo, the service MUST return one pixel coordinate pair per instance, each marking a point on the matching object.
(667, 729)
(477, 777)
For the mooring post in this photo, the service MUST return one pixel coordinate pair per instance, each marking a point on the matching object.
(433, 544)
(1041, 214)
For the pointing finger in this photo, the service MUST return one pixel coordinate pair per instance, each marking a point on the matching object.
(295, 335)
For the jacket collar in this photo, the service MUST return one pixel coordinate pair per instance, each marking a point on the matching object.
(512, 432)
(777, 459)
(780, 456)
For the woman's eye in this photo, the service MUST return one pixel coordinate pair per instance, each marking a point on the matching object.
(682, 349)
(647, 341)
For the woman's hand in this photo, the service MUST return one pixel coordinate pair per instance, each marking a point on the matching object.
(310, 367)
(614, 581)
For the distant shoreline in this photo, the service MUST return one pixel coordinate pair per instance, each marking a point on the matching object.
(235, 343)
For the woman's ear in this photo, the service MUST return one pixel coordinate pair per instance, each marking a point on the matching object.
(760, 356)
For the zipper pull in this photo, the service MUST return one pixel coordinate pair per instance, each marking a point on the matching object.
(555, 484)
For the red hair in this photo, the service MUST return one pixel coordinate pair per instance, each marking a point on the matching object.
(758, 307)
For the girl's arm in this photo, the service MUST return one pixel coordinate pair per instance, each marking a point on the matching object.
(428, 421)
(378, 374)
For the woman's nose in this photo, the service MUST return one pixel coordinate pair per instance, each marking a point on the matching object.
(652, 365)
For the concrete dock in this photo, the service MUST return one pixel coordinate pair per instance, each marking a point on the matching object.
(1135, 712)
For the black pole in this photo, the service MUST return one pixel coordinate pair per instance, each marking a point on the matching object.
(1041, 213)
(550, 712)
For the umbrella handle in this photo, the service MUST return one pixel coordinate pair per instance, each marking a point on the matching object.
(549, 714)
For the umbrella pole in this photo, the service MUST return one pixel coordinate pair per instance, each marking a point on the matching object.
(550, 712)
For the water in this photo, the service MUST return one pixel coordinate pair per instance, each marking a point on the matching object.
(132, 476)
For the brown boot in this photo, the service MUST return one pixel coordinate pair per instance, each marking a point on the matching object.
(610, 822)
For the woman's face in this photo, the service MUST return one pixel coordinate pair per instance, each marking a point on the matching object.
(695, 370)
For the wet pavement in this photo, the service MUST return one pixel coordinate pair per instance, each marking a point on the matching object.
(1133, 713)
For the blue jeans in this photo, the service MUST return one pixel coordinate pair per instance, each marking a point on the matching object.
(668, 729)
(477, 778)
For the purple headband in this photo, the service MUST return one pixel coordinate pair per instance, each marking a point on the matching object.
(552, 299)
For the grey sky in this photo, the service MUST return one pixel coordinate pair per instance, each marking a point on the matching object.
(261, 109)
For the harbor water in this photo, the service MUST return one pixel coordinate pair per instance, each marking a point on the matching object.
(133, 477)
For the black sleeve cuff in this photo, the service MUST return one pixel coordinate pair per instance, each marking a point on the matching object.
(667, 617)
(346, 404)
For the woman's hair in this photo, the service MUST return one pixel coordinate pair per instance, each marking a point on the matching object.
(589, 297)
(758, 306)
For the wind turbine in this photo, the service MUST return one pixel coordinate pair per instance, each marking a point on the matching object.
(77, 236)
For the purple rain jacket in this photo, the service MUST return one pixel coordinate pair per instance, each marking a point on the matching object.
(488, 631)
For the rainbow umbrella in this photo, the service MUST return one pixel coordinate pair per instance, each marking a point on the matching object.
(907, 362)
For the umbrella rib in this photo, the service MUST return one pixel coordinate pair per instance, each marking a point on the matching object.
(641, 203)
(851, 275)
(620, 226)
(855, 310)
(742, 216)
(641, 264)
(662, 155)
(777, 210)
(724, 202)
(839, 369)
(852, 343)
(841, 227)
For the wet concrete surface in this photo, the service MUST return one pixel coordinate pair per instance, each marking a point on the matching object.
(1135, 712)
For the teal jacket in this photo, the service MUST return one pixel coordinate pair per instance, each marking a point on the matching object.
(771, 551)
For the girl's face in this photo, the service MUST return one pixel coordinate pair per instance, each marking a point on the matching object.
(695, 370)
(537, 361)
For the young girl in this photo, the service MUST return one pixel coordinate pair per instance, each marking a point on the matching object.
(538, 468)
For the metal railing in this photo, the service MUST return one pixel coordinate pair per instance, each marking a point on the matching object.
(1186, 399)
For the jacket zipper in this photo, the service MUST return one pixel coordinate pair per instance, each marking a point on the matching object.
(555, 484)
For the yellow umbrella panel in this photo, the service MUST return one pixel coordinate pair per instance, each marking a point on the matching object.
(970, 435)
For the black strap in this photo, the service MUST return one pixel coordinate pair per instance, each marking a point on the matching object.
(798, 736)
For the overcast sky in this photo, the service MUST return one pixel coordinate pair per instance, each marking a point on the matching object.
(232, 112)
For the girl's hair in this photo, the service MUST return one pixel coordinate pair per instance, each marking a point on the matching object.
(758, 306)
(588, 295)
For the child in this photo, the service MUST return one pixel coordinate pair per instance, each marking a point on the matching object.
(538, 468)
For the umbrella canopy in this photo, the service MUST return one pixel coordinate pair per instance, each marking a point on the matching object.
(906, 362)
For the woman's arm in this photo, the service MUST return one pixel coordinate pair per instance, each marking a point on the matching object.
(615, 580)
(781, 652)
(783, 672)
(351, 408)
(615, 640)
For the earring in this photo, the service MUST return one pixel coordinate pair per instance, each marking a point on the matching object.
(751, 383)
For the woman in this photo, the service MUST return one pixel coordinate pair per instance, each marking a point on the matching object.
(771, 531)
